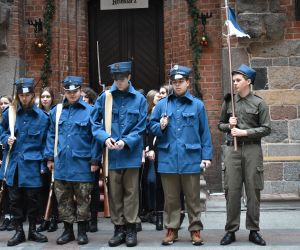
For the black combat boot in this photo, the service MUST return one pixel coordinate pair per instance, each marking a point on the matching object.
(93, 227)
(53, 224)
(18, 237)
(34, 235)
(67, 235)
(44, 226)
(5, 224)
(131, 235)
(82, 238)
(119, 236)
(159, 221)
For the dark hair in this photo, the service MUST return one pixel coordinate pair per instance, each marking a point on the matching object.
(51, 94)
(91, 94)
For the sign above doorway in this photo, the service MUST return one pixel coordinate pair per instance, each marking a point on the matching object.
(123, 4)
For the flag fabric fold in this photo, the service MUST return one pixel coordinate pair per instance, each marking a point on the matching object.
(233, 27)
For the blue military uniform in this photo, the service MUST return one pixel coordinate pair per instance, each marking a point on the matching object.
(129, 112)
(76, 152)
(23, 172)
(182, 145)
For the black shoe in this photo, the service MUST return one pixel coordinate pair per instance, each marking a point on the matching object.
(18, 237)
(44, 226)
(5, 224)
(10, 226)
(152, 217)
(131, 235)
(119, 236)
(82, 238)
(256, 238)
(228, 238)
(93, 226)
(159, 221)
(67, 235)
(53, 225)
(34, 235)
(138, 227)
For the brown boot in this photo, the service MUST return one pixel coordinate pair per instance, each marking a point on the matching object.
(171, 236)
(196, 238)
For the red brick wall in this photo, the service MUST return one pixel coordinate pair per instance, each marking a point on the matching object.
(70, 48)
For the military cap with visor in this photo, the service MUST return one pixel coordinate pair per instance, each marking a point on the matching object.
(120, 70)
(72, 83)
(25, 85)
(246, 71)
(179, 72)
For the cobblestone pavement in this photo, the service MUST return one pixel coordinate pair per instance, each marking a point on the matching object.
(280, 226)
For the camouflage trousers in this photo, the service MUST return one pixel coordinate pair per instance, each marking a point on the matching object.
(73, 200)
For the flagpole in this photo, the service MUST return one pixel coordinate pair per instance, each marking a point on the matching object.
(230, 70)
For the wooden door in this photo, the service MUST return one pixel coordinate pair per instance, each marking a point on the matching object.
(135, 34)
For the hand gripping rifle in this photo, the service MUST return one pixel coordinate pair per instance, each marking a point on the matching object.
(49, 202)
(12, 122)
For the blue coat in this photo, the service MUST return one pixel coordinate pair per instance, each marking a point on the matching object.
(77, 149)
(27, 151)
(186, 140)
(129, 113)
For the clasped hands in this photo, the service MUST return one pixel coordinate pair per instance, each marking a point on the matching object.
(112, 144)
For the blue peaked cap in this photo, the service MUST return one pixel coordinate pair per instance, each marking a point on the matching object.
(24, 85)
(246, 71)
(178, 72)
(120, 67)
(72, 82)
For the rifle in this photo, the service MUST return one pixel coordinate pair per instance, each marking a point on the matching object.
(106, 212)
(98, 64)
(49, 202)
(11, 121)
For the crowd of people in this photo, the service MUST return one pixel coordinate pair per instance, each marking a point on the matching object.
(155, 148)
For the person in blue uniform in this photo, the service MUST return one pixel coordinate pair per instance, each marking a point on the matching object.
(23, 171)
(184, 144)
(125, 146)
(78, 157)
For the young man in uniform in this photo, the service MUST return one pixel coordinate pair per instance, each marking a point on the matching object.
(125, 145)
(78, 157)
(25, 165)
(244, 166)
(184, 144)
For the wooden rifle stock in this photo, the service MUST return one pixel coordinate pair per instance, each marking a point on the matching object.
(106, 212)
(49, 202)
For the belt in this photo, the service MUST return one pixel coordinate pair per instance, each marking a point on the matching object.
(241, 143)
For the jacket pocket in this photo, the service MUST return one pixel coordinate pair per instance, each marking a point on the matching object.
(82, 127)
(193, 146)
(81, 154)
(132, 116)
(163, 145)
(33, 156)
(188, 118)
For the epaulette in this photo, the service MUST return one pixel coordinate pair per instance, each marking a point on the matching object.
(258, 96)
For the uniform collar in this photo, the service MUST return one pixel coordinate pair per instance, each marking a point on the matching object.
(130, 89)
(34, 108)
(238, 97)
(186, 97)
(79, 103)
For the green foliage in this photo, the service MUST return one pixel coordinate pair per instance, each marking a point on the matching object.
(48, 16)
(194, 12)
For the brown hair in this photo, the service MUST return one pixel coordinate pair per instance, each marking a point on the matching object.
(150, 99)
(51, 94)
(91, 94)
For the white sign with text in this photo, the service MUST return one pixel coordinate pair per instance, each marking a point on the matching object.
(123, 4)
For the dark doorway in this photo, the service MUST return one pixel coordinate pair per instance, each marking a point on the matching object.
(135, 34)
